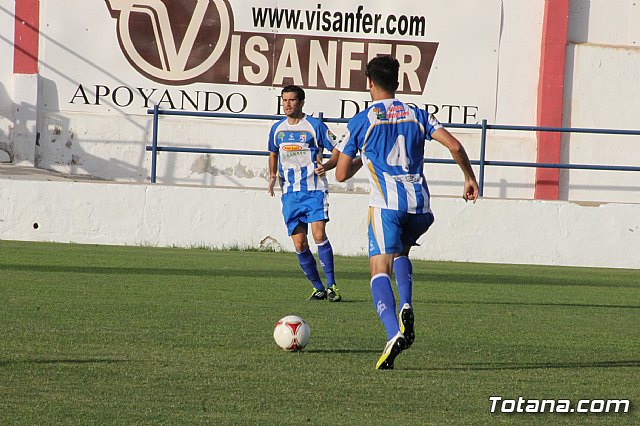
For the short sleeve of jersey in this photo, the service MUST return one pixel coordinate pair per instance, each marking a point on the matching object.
(351, 142)
(429, 122)
(324, 137)
(272, 140)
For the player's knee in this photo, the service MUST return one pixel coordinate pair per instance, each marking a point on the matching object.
(319, 234)
(301, 246)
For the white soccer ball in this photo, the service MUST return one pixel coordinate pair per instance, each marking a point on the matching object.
(292, 333)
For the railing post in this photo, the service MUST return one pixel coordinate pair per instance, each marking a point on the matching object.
(321, 116)
(483, 144)
(154, 143)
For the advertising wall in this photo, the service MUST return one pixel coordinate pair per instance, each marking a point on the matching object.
(100, 74)
(464, 61)
(232, 56)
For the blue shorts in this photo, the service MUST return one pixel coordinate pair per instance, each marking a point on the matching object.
(304, 207)
(391, 230)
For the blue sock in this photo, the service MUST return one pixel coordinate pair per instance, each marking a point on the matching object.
(403, 271)
(310, 269)
(325, 253)
(385, 303)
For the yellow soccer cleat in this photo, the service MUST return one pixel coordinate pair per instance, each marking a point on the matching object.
(391, 351)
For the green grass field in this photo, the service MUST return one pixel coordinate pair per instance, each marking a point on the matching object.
(140, 335)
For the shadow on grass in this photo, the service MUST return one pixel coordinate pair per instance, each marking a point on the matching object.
(581, 280)
(532, 366)
(342, 351)
(224, 272)
(573, 305)
(4, 363)
(516, 278)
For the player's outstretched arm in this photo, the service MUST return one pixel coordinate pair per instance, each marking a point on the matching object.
(273, 172)
(462, 159)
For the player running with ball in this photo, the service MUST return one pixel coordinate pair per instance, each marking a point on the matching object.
(390, 136)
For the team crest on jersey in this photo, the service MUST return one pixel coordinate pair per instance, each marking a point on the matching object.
(303, 137)
(331, 136)
(380, 114)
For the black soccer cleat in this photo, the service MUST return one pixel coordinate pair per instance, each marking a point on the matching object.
(318, 294)
(333, 294)
(405, 320)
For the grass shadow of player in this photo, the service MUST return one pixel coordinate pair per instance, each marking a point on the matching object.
(507, 366)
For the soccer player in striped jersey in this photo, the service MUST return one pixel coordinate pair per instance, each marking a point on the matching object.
(390, 137)
(296, 144)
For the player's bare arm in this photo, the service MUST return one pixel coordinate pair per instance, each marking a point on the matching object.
(460, 156)
(330, 164)
(347, 167)
(273, 172)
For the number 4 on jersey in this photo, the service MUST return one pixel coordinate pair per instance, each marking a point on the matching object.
(398, 154)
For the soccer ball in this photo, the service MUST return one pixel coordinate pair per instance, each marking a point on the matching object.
(292, 333)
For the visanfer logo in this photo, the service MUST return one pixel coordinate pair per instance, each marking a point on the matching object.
(158, 49)
(179, 42)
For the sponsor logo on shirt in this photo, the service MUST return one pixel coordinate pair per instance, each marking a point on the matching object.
(407, 178)
(396, 111)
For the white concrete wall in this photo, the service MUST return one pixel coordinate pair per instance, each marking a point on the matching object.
(495, 231)
(601, 87)
(601, 92)
(25, 119)
(612, 22)
(518, 66)
(6, 80)
(18, 100)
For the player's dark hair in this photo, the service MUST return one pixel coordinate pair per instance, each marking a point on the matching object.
(294, 89)
(383, 71)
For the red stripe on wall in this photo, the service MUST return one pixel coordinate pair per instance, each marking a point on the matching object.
(27, 24)
(550, 95)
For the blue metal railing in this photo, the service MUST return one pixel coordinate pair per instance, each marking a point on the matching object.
(482, 162)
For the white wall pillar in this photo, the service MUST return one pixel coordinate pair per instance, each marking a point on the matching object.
(25, 113)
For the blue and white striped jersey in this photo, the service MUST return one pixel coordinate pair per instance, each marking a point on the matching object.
(298, 147)
(390, 137)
